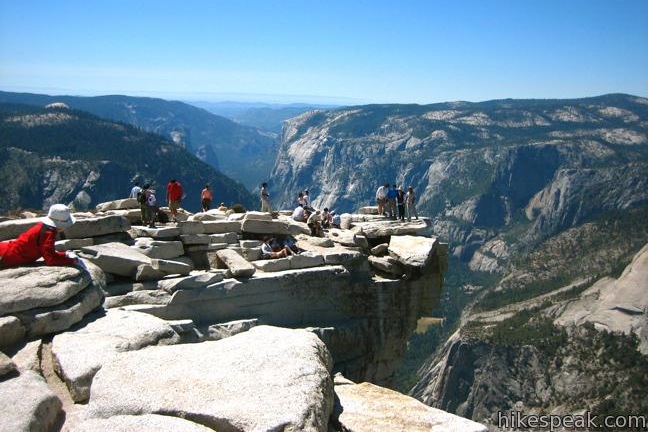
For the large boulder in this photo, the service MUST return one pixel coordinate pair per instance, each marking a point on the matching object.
(151, 297)
(272, 265)
(343, 237)
(7, 366)
(258, 226)
(122, 204)
(412, 251)
(295, 228)
(133, 215)
(11, 229)
(28, 404)
(387, 265)
(97, 226)
(193, 281)
(12, 331)
(222, 226)
(217, 384)
(159, 233)
(305, 260)
(210, 215)
(73, 244)
(229, 238)
(224, 330)
(47, 299)
(237, 265)
(80, 353)
(369, 408)
(116, 258)
(32, 287)
(191, 227)
(53, 319)
(386, 228)
(159, 249)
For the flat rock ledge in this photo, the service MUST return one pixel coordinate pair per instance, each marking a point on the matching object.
(39, 300)
(240, 383)
(369, 408)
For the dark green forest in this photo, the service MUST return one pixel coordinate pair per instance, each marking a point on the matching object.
(120, 152)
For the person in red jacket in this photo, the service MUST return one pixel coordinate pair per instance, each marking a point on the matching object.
(174, 195)
(38, 241)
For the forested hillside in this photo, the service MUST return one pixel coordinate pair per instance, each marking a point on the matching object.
(240, 152)
(61, 155)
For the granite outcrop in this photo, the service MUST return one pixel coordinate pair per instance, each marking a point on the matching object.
(178, 323)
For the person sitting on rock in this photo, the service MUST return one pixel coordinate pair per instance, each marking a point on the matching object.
(335, 220)
(289, 242)
(38, 241)
(298, 214)
(222, 207)
(268, 253)
(300, 199)
(307, 201)
(326, 218)
(314, 224)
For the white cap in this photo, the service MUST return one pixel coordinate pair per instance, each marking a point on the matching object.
(59, 216)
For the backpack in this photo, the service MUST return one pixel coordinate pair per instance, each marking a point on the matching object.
(141, 196)
(151, 201)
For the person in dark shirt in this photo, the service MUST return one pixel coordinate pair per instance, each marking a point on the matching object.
(391, 200)
(400, 202)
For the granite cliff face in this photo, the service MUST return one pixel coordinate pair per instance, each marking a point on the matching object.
(549, 196)
(479, 169)
(579, 348)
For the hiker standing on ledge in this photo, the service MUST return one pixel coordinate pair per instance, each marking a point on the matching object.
(206, 198)
(38, 241)
(265, 198)
(174, 195)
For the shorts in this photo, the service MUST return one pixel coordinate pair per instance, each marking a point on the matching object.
(174, 205)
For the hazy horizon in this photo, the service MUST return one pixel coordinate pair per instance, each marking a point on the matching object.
(337, 52)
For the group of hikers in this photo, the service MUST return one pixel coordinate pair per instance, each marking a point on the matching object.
(147, 199)
(392, 202)
(395, 203)
(38, 241)
(317, 220)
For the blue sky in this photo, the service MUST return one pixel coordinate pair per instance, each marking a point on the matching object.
(401, 51)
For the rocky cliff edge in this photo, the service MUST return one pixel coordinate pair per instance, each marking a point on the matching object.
(183, 327)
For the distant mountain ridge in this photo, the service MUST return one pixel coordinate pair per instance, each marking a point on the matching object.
(63, 155)
(478, 168)
(263, 116)
(243, 153)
